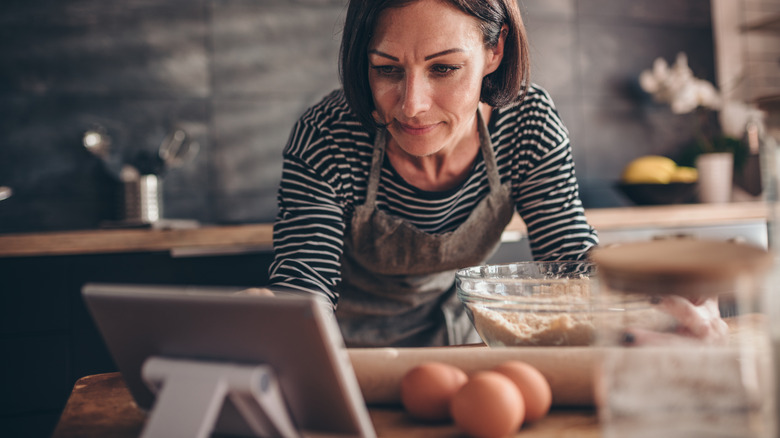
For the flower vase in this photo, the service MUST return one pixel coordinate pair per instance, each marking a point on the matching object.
(716, 172)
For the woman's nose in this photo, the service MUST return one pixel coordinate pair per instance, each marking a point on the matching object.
(416, 96)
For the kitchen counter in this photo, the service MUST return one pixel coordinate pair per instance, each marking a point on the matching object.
(100, 406)
(204, 239)
(259, 237)
(684, 215)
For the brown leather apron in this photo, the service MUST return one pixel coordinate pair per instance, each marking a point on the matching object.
(397, 284)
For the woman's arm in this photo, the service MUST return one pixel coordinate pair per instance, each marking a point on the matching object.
(547, 188)
(309, 229)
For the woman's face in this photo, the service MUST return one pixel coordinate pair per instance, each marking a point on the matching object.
(426, 64)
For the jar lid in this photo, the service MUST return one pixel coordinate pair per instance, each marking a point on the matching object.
(689, 267)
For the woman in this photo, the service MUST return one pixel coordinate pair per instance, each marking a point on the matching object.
(415, 168)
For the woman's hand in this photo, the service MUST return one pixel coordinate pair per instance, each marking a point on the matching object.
(698, 322)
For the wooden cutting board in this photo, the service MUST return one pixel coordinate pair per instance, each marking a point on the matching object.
(570, 370)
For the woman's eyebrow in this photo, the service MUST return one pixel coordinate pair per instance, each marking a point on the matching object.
(383, 54)
(443, 52)
(427, 58)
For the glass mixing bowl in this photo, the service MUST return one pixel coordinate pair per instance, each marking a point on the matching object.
(537, 303)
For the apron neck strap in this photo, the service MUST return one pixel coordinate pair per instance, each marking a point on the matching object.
(376, 165)
(488, 155)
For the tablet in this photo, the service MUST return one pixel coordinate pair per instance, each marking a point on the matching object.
(297, 336)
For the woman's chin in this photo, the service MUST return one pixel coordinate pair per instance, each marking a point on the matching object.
(418, 145)
(419, 148)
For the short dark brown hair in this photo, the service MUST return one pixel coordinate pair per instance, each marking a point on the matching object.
(505, 85)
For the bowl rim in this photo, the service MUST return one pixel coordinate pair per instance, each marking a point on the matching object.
(466, 272)
(514, 303)
(510, 302)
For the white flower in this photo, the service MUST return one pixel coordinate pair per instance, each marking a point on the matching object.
(677, 86)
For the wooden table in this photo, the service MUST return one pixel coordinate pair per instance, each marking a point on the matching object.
(101, 406)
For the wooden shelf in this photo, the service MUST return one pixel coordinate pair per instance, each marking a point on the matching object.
(769, 24)
(769, 103)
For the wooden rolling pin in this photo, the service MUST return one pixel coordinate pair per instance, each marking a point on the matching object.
(570, 370)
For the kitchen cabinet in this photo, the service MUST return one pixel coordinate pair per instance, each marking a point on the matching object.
(747, 33)
(747, 43)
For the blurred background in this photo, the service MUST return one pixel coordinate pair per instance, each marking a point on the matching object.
(236, 74)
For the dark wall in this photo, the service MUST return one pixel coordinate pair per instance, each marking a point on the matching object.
(589, 54)
(236, 74)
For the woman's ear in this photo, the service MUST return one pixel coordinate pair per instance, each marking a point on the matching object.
(496, 54)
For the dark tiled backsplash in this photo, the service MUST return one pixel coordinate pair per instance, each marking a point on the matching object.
(237, 74)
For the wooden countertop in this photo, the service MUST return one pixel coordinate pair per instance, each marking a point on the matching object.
(204, 239)
(676, 215)
(250, 237)
(101, 406)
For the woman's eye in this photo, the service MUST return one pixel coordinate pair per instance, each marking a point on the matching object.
(386, 70)
(444, 70)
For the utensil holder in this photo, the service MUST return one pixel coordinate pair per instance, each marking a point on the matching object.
(143, 199)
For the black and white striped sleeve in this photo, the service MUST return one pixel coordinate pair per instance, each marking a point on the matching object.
(548, 192)
(309, 229)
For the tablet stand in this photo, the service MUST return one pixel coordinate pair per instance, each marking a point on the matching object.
(191, 393)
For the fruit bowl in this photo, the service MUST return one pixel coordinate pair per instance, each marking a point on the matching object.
(659, 194)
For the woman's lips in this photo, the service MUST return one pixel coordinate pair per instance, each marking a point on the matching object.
(416, 129)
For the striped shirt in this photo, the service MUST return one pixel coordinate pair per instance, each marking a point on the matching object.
(325, 172)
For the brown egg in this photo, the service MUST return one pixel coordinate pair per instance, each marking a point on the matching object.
(489, 405)
(426, 390)
(533, 386)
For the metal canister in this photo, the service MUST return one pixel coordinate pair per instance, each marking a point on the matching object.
(142, 199)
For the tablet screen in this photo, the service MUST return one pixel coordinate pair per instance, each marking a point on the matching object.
(296, 335)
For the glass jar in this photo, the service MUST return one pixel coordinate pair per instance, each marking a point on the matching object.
(694, 358)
